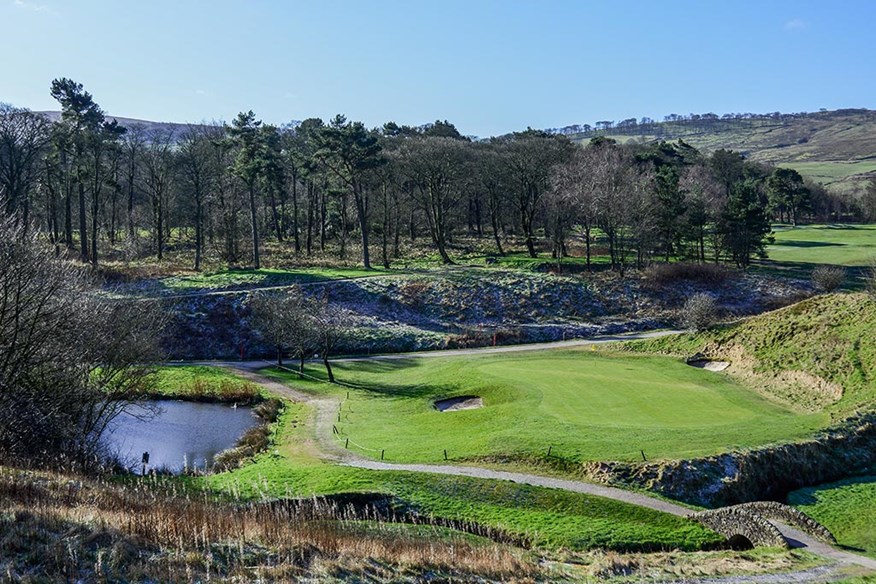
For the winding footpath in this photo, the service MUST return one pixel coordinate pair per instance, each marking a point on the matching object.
(327, 409)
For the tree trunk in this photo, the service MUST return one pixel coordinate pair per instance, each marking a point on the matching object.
(362, 212)
(323, 211)
(83, 223)
(587, 242)
(328, 368)
(494, 220)
(311, 203)
(275, 216)
(295, 229)
(255, 227)
(94, 211)
(199, 231)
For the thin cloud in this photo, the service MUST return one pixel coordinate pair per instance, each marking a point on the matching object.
(795, 24)
(202, 92)
(34, 7)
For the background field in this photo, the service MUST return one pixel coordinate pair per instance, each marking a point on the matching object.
(584, 405)
(846, 245)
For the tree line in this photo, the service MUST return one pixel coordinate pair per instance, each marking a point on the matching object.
(91, 186)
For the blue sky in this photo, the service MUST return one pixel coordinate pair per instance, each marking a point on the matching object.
(488, 66)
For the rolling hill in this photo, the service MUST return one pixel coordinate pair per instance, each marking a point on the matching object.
(836, 148)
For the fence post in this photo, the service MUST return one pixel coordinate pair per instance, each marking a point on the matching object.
(549, 450)
(381, 453)
(445, 454)
(347, 444)
(643, 456)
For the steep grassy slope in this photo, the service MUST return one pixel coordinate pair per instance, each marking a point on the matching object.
(819, 353)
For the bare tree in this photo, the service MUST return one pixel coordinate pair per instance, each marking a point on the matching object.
(576, 192)
(529, 157)
(199, 174)
(158, 173)
(332, 324)
(24, 137)
(706, 197)
(436, 166)
(70, 358)
(286, 321)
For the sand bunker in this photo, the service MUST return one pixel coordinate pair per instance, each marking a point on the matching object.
(463, 402)
(709, 365)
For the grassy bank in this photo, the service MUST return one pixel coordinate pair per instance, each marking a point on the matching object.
(847, 508)
(60, 527)
(799, 355)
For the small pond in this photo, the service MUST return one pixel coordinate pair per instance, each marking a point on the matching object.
(177, 434)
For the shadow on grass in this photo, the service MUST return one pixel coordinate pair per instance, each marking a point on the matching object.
(343, 374)
(805, 244)
(856, 276)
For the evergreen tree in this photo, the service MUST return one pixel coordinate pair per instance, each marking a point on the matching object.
(745, 223)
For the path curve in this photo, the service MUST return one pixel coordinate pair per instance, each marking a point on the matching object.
(326, 409)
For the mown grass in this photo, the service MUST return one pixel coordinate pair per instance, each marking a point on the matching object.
(548, 518)
(846, 245)
(828, 336)
(582, 404)
(847, 508)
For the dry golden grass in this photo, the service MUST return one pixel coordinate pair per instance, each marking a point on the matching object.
(57, 526)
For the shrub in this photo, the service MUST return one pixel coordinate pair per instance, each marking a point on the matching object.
(664, 274)
(828, 278)
(700, 312)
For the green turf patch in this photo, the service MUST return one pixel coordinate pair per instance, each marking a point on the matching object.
(847, 508)
(582, 404)
(847, 245)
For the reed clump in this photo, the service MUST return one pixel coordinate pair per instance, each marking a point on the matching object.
(222, 390)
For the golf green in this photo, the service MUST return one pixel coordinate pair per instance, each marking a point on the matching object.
(581, 404)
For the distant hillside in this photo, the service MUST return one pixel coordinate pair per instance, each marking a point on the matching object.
(837, 148)
(148, 126)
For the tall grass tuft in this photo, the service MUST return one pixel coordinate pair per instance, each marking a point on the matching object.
(68, 527)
